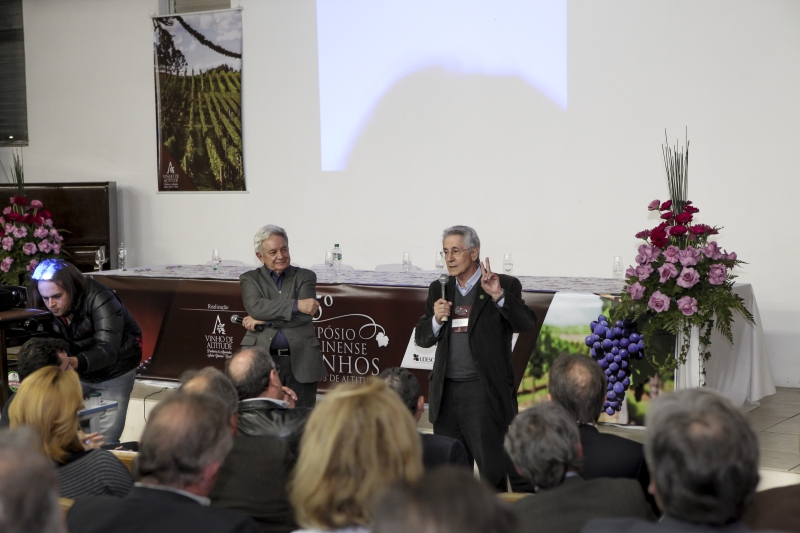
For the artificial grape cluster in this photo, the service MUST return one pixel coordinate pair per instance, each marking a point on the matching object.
(613, 347)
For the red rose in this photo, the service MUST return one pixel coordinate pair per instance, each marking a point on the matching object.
(677, 230)
(697, 229)
(643, 234)
(13, 216)
(690, 208)
(28, 219)
(37, 220)
(658, 237)
(668, 215)
(666, 205)
(45, 213)
(683, 218)
(19, 200)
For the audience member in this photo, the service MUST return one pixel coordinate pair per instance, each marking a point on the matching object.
(437, 450)
(184, 444)
(359, 440)
(28, 486)
(544, 445)
(48, 400)
(105, 342)
(777, 508)
(445, 500)
(255, 473)
(703, 458)
(266, 408)
(37, 353)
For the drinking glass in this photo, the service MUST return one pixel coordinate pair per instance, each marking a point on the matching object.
(439, 261)
(508, 263)
(617, 267)
(100, 257)
(216, 257)
(329, 259)
(407, 262)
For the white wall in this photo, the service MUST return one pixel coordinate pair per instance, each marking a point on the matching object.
(563, 190)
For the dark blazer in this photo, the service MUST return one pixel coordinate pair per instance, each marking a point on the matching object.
(147, 510)
(667, 524)
(253, 481)
(775, 509)
(566, 508)
(438, 450)
(263, 418)
(263, 302)
(490, 331)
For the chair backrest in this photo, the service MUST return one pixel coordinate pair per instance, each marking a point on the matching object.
(227, 263)
(395, 267)
(126, 458)
(512, 497)
(325, 267)
(65, 504)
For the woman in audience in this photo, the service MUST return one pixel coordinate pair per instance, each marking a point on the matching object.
(48, 401)
(358, 441)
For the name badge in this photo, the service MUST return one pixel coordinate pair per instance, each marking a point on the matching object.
(460, 319)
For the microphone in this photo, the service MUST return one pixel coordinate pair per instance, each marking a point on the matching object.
(236, 319)
(443, 280)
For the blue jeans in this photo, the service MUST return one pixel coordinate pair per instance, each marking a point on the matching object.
(118, 389)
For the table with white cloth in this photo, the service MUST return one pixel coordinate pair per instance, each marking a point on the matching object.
(367, 319)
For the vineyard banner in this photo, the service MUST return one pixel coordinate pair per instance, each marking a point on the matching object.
(198, 62)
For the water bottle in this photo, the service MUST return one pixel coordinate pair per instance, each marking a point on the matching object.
(337, 259)
(122, 255)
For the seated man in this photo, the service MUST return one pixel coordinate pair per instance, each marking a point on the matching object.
(703, 458)
(184, 444)
(544, 445)
(777, 508)
(266, 408)
(437, 450)
(446, 500)
(253, 477)
(28, 485)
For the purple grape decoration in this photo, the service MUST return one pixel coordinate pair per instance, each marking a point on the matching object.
(612, 346)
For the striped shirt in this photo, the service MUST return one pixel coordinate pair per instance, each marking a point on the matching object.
(93, 473)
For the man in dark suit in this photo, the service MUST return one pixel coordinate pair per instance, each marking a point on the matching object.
(777, 508)
(437, 450)
(544, 445)
(280, 299)
(703, 459)
(266, 408)
(184, 444)
(472, 396)
(253, 477)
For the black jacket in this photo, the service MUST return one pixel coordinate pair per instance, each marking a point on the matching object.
(260, 417)
(102, 335)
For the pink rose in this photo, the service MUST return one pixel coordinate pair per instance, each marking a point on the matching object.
(658, 302)
(654, 205)
(717, 274)
(644, 271)
(40, 232)
(729, 256)
(56, 248)
(636, 291)
(9, 228)
(667, 271)
(689, 256)
(36, 204)
(687, 305)
(29, 248)
(8, 242)
(647, 254)
(47, 222)
(5, 266)
(7, 210)
(630, 272)
(45, 246)
(19, 233)
(688, 278)
(32, 265)
(712, 251)
(671, 254)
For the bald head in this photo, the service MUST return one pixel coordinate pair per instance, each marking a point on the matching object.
(250, 371)
(212, 382)
(578, 384)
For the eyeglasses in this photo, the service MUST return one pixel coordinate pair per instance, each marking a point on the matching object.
(456, 252)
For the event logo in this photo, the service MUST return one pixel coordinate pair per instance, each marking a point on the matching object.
(170, 179)
(219, 327)
(218, 344)
(170, 169)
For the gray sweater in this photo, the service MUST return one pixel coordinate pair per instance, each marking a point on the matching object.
(93, 473)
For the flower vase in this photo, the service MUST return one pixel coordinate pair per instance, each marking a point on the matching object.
(691, 374)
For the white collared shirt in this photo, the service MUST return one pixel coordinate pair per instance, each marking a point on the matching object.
(202, 500)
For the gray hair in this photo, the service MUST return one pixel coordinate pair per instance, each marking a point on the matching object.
(469, 235)
(255, 379)
(28, 485)
(578, 384)
(446, 500)
(264, 233)
(212, 381)
(184, 435)
(404, 383)
(543, 442)
(703, 456)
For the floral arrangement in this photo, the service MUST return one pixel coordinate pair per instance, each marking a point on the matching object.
(682, 279)
(27, 236)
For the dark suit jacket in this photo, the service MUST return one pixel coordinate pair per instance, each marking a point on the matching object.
(147, 510)
(253, 481)
(264, 418)
(438, 450)
(667, 524)
(566, 508)
(263, 302)
(490, 331)
(775, 509)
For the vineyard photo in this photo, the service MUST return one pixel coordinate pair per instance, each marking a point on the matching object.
(199, 103)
